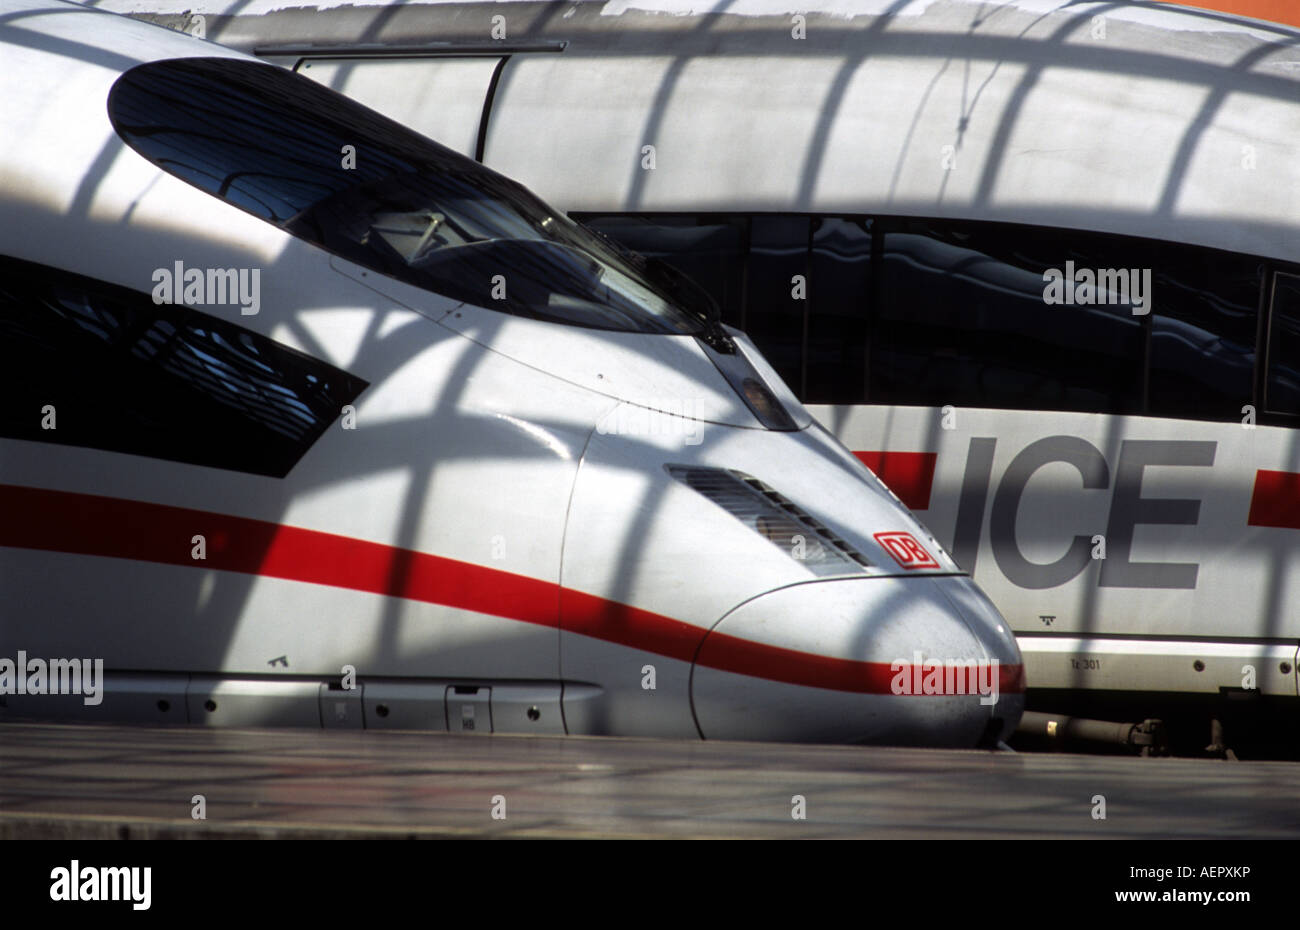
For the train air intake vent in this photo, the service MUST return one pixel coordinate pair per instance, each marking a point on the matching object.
(770, 514)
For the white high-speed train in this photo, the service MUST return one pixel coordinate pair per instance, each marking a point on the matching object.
(310, 420)
(1035, 262)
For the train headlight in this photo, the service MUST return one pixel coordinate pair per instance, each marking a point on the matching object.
(765, 406)
(745, 380)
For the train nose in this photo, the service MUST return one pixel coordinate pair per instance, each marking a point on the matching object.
(893, 660)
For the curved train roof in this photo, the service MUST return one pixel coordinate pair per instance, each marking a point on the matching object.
(69, 185)
(1165, 122)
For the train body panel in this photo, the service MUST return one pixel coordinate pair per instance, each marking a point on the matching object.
(1138, 125)
(278, 455)
(1106, 536)
(875, 617)
(1051, 128)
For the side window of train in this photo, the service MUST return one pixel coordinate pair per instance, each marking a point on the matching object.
(839, 311)
(933, 312)
(708, 249)
(776, 312)
(1282, 385)
(1204, 315)
(756, 267)
(86, 363)
(734, 257)
(966, 317)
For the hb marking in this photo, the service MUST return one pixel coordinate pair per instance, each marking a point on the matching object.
(906, 551)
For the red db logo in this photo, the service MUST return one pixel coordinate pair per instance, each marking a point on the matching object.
(906, 551)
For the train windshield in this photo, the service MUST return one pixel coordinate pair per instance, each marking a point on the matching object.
(330, 171)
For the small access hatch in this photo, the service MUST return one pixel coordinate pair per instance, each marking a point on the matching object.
(469, 709)
(340, 708)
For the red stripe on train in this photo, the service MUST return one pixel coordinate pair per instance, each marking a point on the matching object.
(910, 475)
(1276, 500)
(759, 660)
(61, 521)
(87, 524)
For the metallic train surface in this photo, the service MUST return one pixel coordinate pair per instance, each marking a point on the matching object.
(1121, 119)
(314, 492)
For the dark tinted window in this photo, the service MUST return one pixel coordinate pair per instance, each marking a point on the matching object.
(272, 143)
(166, 381)
(709, 250)
(1282, 392)
(776, 316)
(932, 312)
(964, 320)
(839, 311)
(1203, 323)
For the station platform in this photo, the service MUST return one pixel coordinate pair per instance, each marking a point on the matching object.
(73, 782)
